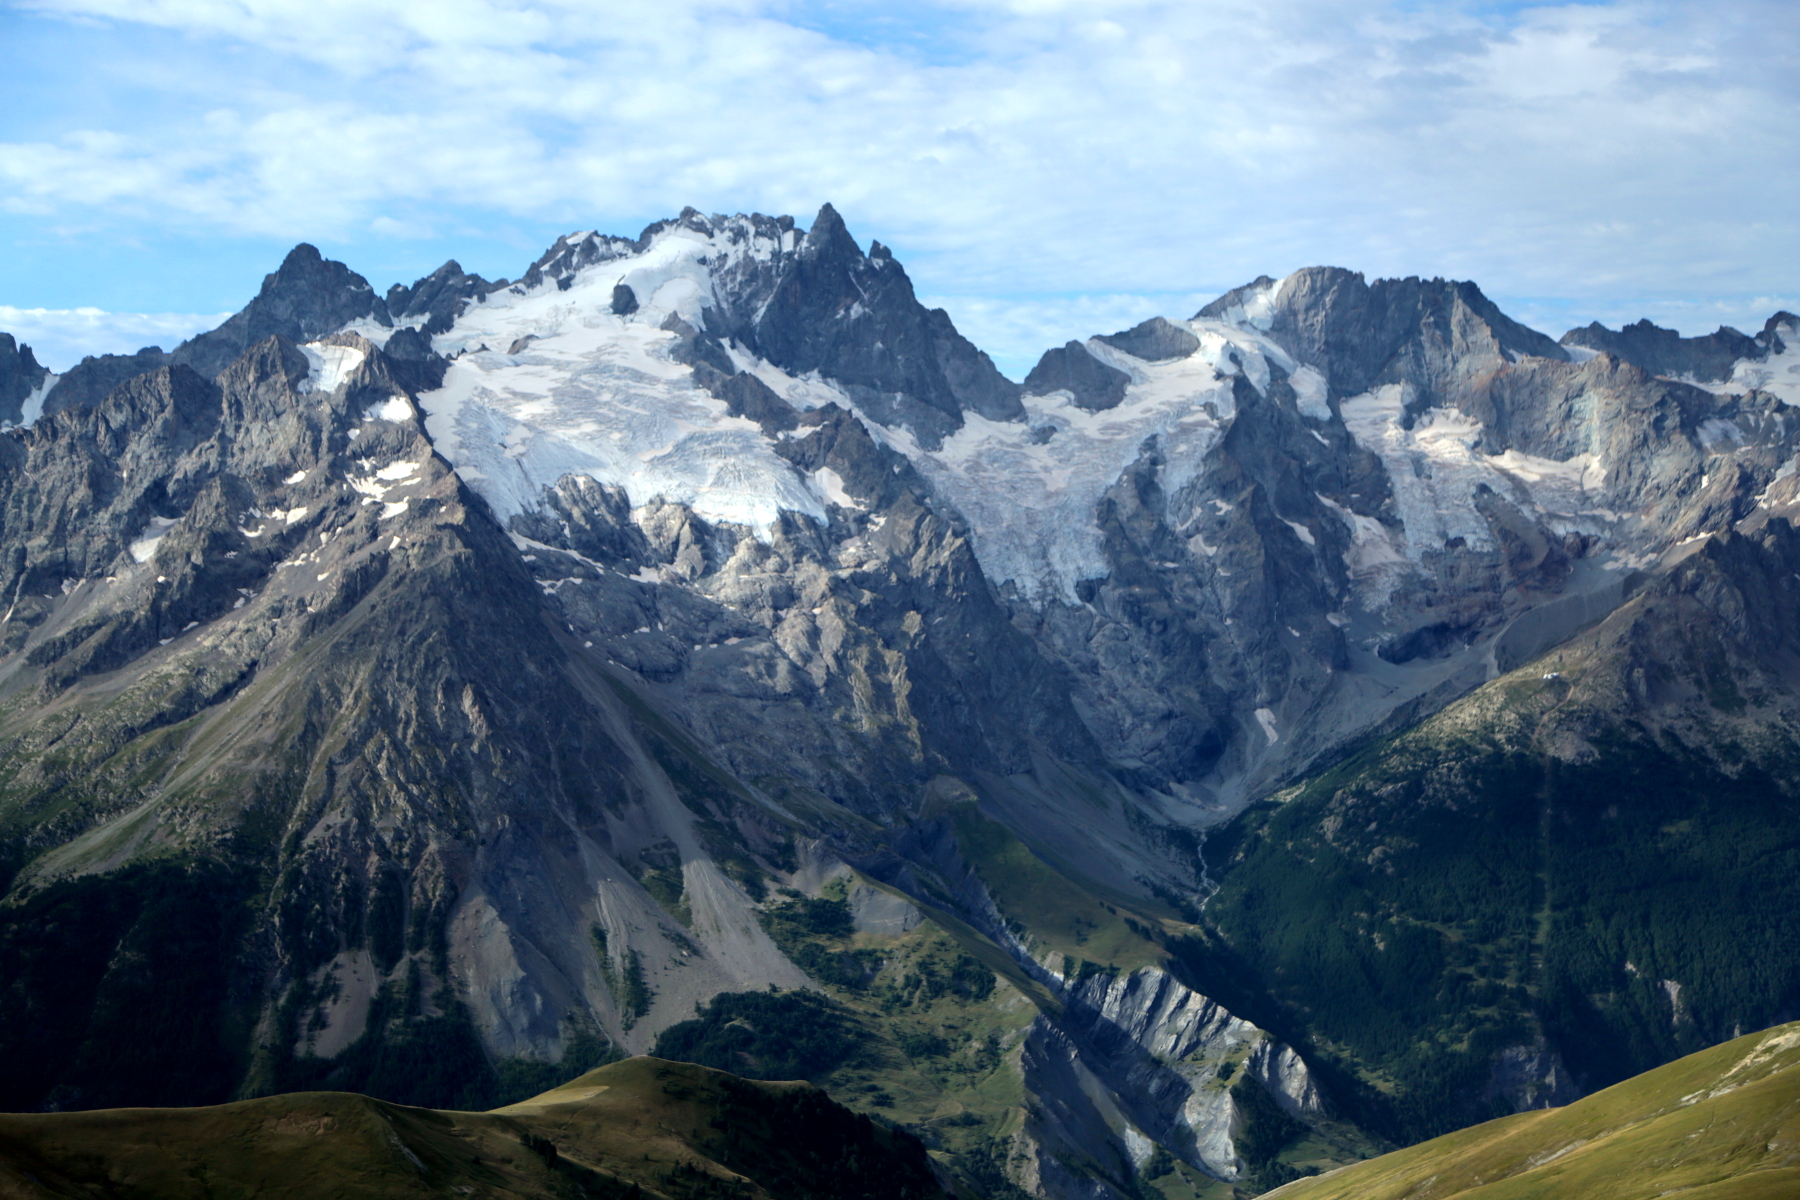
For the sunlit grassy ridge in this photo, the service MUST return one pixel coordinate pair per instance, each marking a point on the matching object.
(638, 1128)
(1721, 1123)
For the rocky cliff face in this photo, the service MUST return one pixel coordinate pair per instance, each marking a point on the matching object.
(490, 655)
(1169, 1053)
(21, 379)
(1709, 359)
(309, 296)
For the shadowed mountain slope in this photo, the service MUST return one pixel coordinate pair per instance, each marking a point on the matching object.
(642, 1127)
(1583, 869)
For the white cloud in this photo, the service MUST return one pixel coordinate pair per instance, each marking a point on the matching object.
(61, 337)
(1615, 152)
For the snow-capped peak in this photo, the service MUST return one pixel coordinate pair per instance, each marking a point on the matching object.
(1251, 306)
(562, 377)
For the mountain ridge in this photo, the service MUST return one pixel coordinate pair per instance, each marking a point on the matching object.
(642, 1127)
(499, 670)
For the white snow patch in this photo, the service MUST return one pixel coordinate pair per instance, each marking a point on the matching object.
(804, 392)
(144, 548)
(1581, 354)
(828, 485)
(1434, 470)
(329, 366)
(1373, 559)
(1266, 718)
(374, 331)
(1778, 374)
(1309, 394)
(1568, 487)
(1257, 309)
(296, 477)
(378, 483)
(1714, 430)
(1300, 531)
(400, 470)
(394, 408)
(33, 408)
(1431, 467)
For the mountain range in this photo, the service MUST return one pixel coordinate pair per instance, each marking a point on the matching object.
(1253, 741)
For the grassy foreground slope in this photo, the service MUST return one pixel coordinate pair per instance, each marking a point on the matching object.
(1721, 1123)
(639, 1128)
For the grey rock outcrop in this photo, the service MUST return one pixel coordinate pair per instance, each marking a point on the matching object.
(307, 297)
(1661, 351)
(87, 383)
(20, 376)
(1529, 1076)
(439, 297)
(1094, 385)
(1434, 335)
(412, 361)
(1155, 340)
(828, 307)
(1167, 1054)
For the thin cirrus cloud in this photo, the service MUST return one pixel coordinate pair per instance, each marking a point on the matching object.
(1036, 164)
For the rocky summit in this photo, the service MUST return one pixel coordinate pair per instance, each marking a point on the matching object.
(1254, 741)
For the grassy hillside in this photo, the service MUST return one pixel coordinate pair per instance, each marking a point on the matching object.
(1581, 871)
(639, 1128)
(1721, 1123)
(914, 1027)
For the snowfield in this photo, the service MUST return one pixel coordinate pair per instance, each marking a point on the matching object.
(591, 393)
(550, 382)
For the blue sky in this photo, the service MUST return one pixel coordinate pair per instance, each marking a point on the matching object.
(1044, 169)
